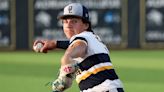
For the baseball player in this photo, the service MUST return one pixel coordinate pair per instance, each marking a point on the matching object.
(86, 58)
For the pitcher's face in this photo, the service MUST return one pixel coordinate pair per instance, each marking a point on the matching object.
(73, 26)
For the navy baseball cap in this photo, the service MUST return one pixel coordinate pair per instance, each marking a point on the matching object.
(75, 10)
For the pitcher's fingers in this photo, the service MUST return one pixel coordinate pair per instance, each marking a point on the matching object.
(44, 49)
(38, 41)
(35, 42)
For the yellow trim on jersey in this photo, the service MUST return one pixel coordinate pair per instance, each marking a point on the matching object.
(95, 71)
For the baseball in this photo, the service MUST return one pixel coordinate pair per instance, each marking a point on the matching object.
(37, 47)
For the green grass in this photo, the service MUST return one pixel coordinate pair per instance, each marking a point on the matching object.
(26, 71)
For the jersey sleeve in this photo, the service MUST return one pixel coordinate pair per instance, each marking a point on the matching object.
(77, 38)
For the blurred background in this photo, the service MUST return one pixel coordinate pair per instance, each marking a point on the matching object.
(120, 23)
(132, 29)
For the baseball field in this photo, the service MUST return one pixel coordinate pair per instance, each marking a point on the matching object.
(27, 71)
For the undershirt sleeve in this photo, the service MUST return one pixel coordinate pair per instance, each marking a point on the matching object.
(62, 44)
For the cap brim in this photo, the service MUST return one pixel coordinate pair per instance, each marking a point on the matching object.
(72, 16)
(69, 16)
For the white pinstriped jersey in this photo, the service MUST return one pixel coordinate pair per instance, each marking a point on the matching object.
(94, 43)
(96, 70)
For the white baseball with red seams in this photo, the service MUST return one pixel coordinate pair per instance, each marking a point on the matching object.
(37, 47)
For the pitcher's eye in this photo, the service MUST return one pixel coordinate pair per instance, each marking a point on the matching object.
(74, 21)
(64, 21)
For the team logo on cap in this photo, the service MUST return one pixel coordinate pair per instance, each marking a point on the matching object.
(70, 9)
